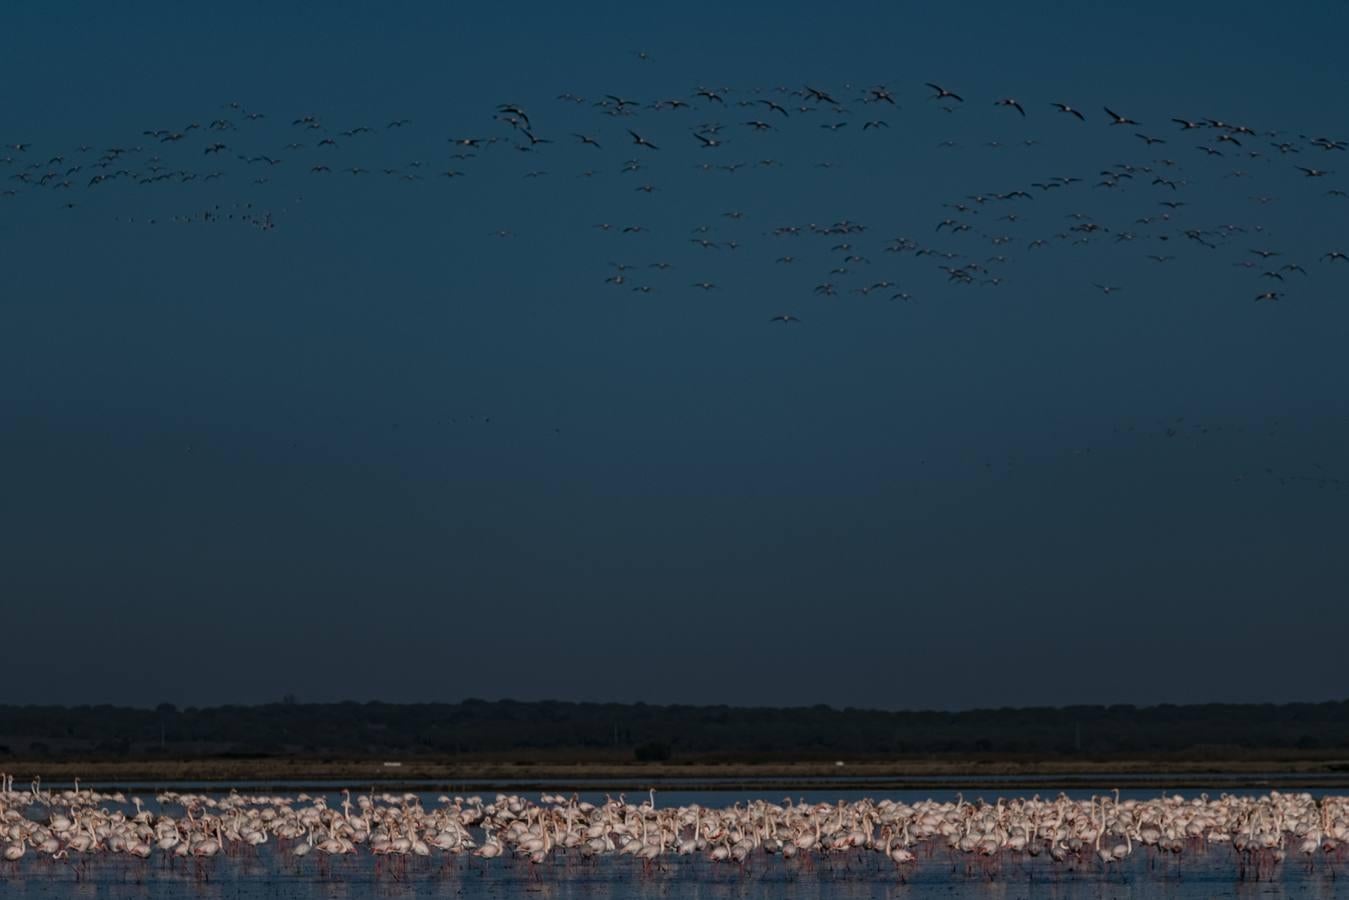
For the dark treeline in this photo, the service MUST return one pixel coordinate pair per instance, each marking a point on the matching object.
(611, 731)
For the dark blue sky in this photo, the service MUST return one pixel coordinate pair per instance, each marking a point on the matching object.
(376, 451)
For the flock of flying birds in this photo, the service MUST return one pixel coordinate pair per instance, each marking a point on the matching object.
(971, 243)
(261, 163)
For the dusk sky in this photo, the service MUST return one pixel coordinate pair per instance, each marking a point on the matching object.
(399, 436)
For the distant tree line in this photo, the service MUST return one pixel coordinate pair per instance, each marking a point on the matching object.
(560, 731)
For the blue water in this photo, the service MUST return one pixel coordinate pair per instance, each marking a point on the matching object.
(857, 875)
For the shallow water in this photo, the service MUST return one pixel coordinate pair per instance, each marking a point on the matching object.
(1194, 782)
(856, 875)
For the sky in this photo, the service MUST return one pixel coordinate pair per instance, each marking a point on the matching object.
(399, 436)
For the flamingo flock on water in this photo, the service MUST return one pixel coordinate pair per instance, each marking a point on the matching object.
(1101, 832)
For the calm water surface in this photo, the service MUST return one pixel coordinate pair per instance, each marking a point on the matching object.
(268, 874)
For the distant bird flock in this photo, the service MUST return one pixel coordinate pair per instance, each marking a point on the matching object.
(624, 153)
(1256, 835)
(728, 130)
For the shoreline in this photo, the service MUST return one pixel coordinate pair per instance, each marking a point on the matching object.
(986, 775)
